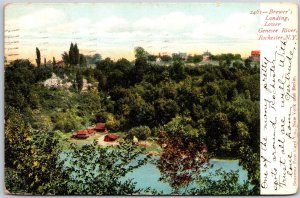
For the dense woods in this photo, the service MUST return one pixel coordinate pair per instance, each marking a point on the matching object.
(201, 112)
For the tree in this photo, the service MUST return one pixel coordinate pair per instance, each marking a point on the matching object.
(140, 53)
(32, 154)
(218, 134)
(53, 62)
(166, 58)
(76, 54)
(226, 184)
(89, 104)
(152, 57)
(43, 166)
(184, 153)
(82, 60)
(141, 113)
(96, 58)
(38, 57)
(197, 58)
(165, 110)
(66, 58)
(242, 132)
(79, 81)
(141, 65)
(141, 132)
(123, 64)
(101, 169)
(189, 58)
(248, 62)
(72, 55)
(105, 66)
(19, 80)
(102, 82)
(177, 71)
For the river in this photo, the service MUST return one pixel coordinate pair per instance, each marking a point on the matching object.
(148, 175)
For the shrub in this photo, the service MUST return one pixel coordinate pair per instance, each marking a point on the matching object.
(141, 132)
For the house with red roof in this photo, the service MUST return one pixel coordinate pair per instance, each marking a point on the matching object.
(100, 127)
(81, 134)
(110, 137)
(91, 130)
(60, 64)
(84, 134)
(255, 55)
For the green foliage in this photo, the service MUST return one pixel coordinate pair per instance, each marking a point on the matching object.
(38, 57)
(177, 71)
(53, 62)
(76, 54)
(43, 73)
(109, 119)
(94, 59)
(73, 57)
(165, 109)
(65, 57)
(31, 154)
(49, 170)
(166, 58)
(192, 106)
(82, 60)
(94, 170)
(248, 62)
(194, 58)
(140, 53)
(184, 153)
(141, 132)
(20, 78)
(79, 81)
(67, 121)
(242, 131)
(218, 134)
(226, 184)
(89, 104)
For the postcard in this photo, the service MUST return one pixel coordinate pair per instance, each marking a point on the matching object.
(182, 98)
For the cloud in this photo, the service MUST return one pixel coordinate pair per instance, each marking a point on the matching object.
(174, 21)
(112, 24)
(89, 27)
(173, 31)
(237, 26)
(168, 27)
(38, 19)
(81, 25)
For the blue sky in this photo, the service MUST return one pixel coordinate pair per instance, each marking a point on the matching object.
(113, 30)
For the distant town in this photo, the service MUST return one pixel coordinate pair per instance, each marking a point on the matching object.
(188, 59)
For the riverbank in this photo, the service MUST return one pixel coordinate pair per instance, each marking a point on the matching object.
(150, 145)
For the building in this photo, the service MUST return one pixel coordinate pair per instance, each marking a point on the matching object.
(100, 127)
(60, 64)
(255, 56)
(81, 134)
(56, 82)
(90, 130)
(110, 138)
(206, 56)
(86, 86)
